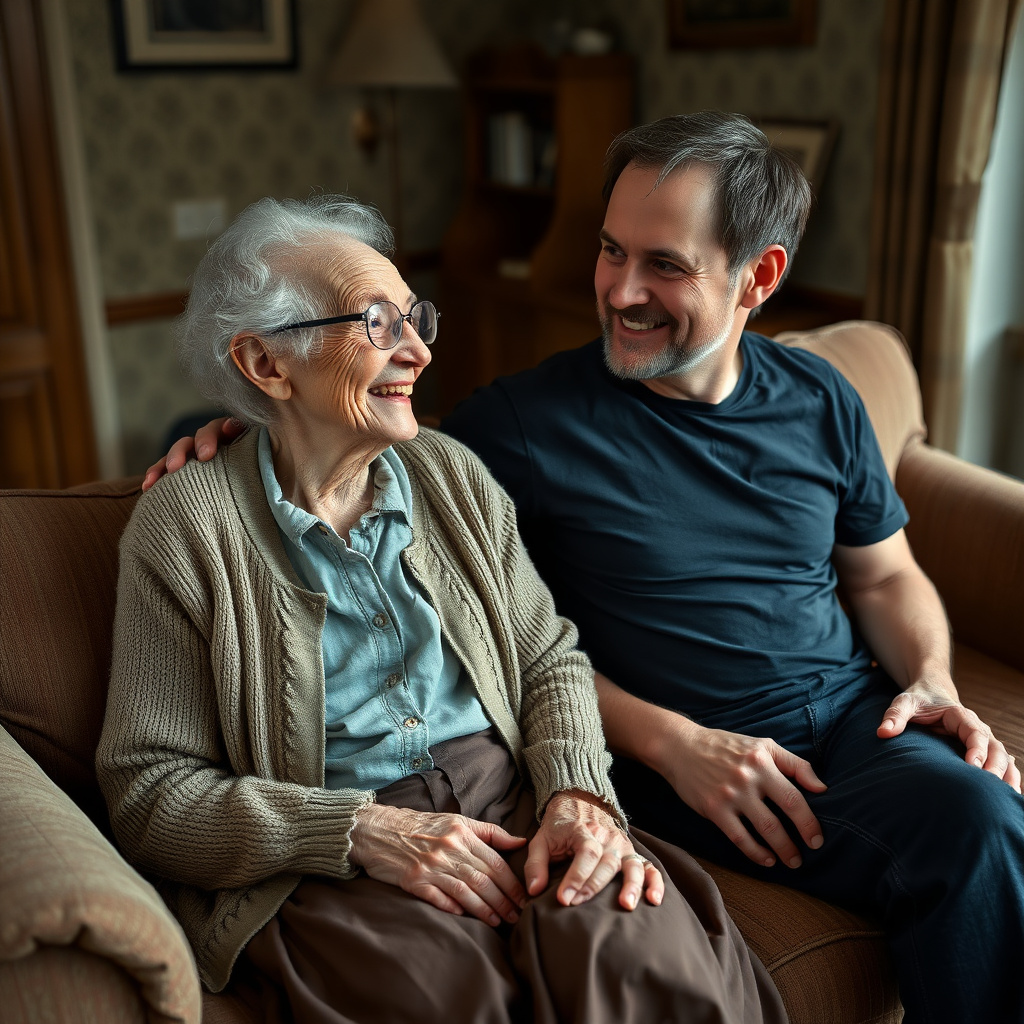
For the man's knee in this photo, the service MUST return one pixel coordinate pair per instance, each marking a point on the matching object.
(987, 816)
(959, 813)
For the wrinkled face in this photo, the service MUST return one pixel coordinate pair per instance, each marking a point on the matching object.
(350, 384)
(664, 295)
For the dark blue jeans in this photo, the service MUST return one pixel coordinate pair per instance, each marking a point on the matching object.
(914, 837)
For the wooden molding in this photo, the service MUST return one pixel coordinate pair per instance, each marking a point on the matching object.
(163, 305)
(133, 308)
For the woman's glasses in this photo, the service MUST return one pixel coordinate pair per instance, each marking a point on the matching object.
(384, 322)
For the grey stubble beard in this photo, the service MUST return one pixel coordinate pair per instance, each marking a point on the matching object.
(672, 360)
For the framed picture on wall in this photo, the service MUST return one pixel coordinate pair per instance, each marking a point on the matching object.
(167, 35)
(809, 143)
(722, 24)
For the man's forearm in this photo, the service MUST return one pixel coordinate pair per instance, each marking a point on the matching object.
(638, 729)
(905, 625)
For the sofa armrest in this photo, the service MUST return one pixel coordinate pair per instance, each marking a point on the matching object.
(63, 885)
(967, 531)
(66, 984)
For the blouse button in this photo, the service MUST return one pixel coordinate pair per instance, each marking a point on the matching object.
(411, 723)
(392, 680)
(380, 620)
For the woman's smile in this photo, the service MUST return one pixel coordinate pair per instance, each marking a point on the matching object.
(397, 391)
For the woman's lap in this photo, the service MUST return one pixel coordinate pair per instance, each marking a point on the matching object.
(364, 951)
(360, 951)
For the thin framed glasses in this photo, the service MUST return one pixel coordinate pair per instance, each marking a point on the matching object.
(383, 321)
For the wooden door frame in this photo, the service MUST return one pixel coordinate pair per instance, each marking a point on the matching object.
(43, 350)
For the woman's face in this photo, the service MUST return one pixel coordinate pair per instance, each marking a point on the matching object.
(350, 384)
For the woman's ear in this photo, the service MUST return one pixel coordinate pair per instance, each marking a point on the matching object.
(762, 276)
(257, 363)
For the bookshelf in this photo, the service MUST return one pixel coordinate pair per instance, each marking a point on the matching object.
(517, 262)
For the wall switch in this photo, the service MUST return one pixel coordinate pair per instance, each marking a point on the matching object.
(198, 218)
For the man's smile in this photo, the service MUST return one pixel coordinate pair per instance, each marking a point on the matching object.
(640, 325)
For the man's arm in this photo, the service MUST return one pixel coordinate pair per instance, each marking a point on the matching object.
(901, 617)
(204, 446)
(723, 776)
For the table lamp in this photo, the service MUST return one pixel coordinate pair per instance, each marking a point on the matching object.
(389, 46)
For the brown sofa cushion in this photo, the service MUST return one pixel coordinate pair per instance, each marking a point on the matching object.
(967, 531)
(830, 966)
(58, 550)
(995, 691)
(66, 984)
(873, 357)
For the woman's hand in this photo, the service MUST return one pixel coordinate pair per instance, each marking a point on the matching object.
(447, 860)
(576, 825)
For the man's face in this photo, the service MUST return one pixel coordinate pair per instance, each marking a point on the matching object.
(664, 295)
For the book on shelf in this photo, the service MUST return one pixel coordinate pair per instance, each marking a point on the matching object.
(521, 153)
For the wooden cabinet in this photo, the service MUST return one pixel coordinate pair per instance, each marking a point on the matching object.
(518, 261)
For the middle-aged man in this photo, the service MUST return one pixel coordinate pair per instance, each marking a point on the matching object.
(692, 492)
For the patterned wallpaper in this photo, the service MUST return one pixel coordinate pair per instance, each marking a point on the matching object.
(156, 138)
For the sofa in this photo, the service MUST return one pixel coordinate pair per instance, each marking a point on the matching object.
(85, 938)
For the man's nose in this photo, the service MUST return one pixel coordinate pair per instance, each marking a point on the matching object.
(629, 288)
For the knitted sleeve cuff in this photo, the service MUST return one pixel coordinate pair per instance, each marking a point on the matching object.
(327, 842)
(557, 765)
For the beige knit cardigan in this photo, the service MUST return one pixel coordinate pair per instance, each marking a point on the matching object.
(212, 753)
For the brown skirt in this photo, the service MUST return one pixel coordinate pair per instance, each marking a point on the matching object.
(365, 952)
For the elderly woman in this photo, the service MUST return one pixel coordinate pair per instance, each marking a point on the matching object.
(346, 728)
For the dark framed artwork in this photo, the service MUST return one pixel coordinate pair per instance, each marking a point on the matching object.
(809, 143)
(721, 24)
(190, 35)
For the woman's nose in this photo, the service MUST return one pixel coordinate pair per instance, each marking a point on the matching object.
(411, 350)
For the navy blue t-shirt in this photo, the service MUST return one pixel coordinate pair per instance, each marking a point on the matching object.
(691, 543)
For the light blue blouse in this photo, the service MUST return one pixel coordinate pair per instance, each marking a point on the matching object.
(393, 685)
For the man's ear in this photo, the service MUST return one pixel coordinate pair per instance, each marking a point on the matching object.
(760, 277)
(257, 363)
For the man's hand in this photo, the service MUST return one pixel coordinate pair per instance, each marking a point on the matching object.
(204, 445)
(727, 777)
(447, 860)
(577, 825)
(930, 704)
(721, 775)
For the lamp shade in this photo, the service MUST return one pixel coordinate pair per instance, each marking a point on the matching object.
(389, 44)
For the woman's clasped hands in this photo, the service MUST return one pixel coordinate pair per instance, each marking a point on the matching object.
(455, 863)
